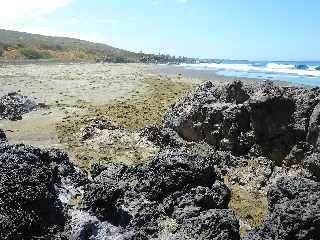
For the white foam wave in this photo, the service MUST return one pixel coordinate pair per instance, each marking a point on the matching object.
(280, 66)
(269, 68)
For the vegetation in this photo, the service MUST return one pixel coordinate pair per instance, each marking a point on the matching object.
(147, 109)
(19, 45)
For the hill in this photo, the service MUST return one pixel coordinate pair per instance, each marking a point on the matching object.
(21, 45)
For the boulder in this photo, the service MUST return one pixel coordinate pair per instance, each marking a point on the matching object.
(243, 119)
(14, 105)
(30, 205)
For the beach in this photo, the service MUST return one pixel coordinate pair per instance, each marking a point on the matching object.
(76, 89)
(130, 99)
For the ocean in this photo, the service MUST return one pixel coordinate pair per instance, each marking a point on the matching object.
(302, 72)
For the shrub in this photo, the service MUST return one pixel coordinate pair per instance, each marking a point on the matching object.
(30, 53)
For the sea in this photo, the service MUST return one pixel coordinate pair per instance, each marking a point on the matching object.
(302, 72)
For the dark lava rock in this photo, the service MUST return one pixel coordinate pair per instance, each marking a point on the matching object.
(294, 206)
(312, 164)
(170, 172)
(3, 137)
(213, 224)
(29, 199)
(243, 119)
(174, 190)
(14, 105)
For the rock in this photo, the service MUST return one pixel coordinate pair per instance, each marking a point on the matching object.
(213, 224)
(114, 171)
(242, 120)
(108, 141)
(297, 154)
(148, 200)
(3, 137)
(173, 171)
(317, 68)
(255, 133)
(252, 175)
(272, 123)
(314, 129)
(312, 164)
(294, 207)
(14, 105)
(163, 137)
(95, 125)
(101, 198)
(235, 93)
(30, 179)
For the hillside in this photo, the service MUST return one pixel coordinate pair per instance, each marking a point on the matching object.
(20, 45)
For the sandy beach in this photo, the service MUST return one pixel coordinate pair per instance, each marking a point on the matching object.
(75, 89)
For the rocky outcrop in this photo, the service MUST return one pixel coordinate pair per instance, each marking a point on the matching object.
(268, 119)
(30, 179)
(255, 133)
(294, 207)
(175, 196)
(14, 105)
(246, 137)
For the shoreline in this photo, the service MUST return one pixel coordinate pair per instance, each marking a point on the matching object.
(83, 88)
(211, 75)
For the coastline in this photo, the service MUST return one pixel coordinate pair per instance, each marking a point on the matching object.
(211, 75)
(134, 97)
(74, 92)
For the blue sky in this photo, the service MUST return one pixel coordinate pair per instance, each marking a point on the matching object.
(236, 29)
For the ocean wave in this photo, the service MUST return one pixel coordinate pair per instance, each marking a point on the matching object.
(280, 66)
(300, 70)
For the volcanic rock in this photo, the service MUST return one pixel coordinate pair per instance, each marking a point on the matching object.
(30, 179)
(169, 196)
(294, 207)
(14, 105)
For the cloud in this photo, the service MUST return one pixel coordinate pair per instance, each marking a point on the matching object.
(19, 9)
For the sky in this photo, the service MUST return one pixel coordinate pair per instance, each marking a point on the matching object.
(230, 29)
